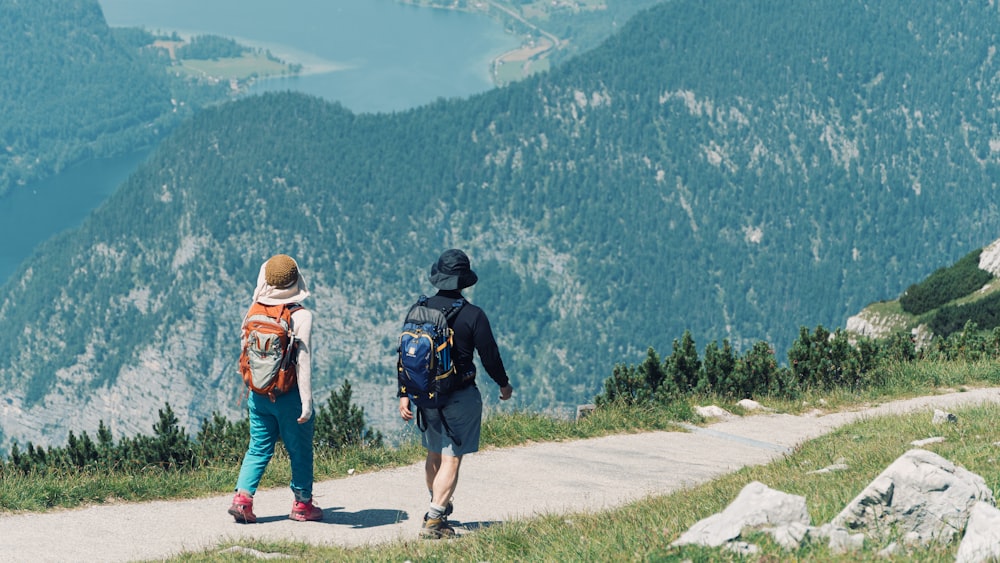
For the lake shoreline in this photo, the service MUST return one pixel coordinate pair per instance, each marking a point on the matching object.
(526, 54)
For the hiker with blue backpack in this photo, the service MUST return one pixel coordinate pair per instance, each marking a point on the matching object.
(276, 366)
(437, 380)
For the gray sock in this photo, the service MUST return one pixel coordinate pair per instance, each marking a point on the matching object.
(435, 512)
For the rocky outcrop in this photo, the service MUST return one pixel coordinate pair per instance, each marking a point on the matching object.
(982, 535)
(921, 495)
(921, 499)
(756, 505)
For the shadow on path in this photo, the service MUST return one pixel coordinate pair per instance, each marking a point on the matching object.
(367, 518)
(474, 526)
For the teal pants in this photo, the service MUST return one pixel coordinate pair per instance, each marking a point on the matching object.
(270, 422)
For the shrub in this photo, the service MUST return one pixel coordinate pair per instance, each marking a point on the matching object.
(945, 285)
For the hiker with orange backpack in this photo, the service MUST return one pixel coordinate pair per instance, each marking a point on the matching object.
(275, 363)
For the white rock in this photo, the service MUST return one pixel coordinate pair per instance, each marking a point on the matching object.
(756, 505)
(926, 441)
(829, 469)
(921, 495)
(982, 536)
(713, 411)
(942, 417)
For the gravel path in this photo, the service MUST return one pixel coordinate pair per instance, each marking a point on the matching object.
(373, 508)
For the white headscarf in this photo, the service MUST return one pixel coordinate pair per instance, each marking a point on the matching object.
(270, 295)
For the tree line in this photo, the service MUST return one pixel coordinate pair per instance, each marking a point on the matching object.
(819, 360)
(219, 441)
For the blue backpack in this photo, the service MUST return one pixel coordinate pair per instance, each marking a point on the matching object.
(425, 370)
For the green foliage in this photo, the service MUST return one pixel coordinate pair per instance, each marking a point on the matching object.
(757, 374)
(570, 186)
(341, 423)
(970, 344)
(219, 442)
(683, 374)
(825, 361)
(75, 89)
(630, 385)
(719, 365)
(819, 361)
(210, 47)
(945, 285)
(683, 366)
(984, 313)
(222, 441)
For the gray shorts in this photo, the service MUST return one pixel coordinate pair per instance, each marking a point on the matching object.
(463, 416)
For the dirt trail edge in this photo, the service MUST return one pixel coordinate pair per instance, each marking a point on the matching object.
(496, 486)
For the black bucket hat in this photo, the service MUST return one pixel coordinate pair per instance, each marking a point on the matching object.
(452, 271)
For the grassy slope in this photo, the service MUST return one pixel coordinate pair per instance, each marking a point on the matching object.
(643, 530)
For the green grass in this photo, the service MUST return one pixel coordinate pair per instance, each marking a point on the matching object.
(639, 531)
(69, 489)
(643, 531)
(249, 65)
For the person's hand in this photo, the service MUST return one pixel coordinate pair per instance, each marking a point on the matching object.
(404, 409)
(305, 416)
(506, 392)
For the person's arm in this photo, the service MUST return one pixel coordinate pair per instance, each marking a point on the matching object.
(404, 409)
(302, 323)
(404, 401)
(489, 355)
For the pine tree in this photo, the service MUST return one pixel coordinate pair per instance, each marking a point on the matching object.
(683, 365)
(170, 446)
(717, 369)
(625, 386)
(340, 423)
(222, 440)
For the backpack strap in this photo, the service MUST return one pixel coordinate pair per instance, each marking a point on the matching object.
(291, 354)
(422, 425)
(421, 302)
(450, 314)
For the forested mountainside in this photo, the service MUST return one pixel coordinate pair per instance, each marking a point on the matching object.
(739, 169)
(72, 88)
(963, 298)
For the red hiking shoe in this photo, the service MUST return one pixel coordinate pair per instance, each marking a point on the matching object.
(242, 509)
(306, 511)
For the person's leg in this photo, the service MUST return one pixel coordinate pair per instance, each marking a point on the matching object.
(451, 432)
(431, 466)
(445, 480)
(263, 437)
(298, 439)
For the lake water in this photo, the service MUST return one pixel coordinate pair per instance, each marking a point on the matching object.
(34, 213)
(389, 56)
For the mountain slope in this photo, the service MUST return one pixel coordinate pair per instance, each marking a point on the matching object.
(71, 88)
(965, 292)
(737, 169)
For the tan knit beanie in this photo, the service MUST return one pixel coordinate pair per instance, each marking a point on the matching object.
(281, 271)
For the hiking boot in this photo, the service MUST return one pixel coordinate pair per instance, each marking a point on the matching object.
(436, 528)
(242, 509)
(448, 509)
(306, 511)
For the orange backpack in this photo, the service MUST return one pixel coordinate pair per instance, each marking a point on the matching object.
(268, 356)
